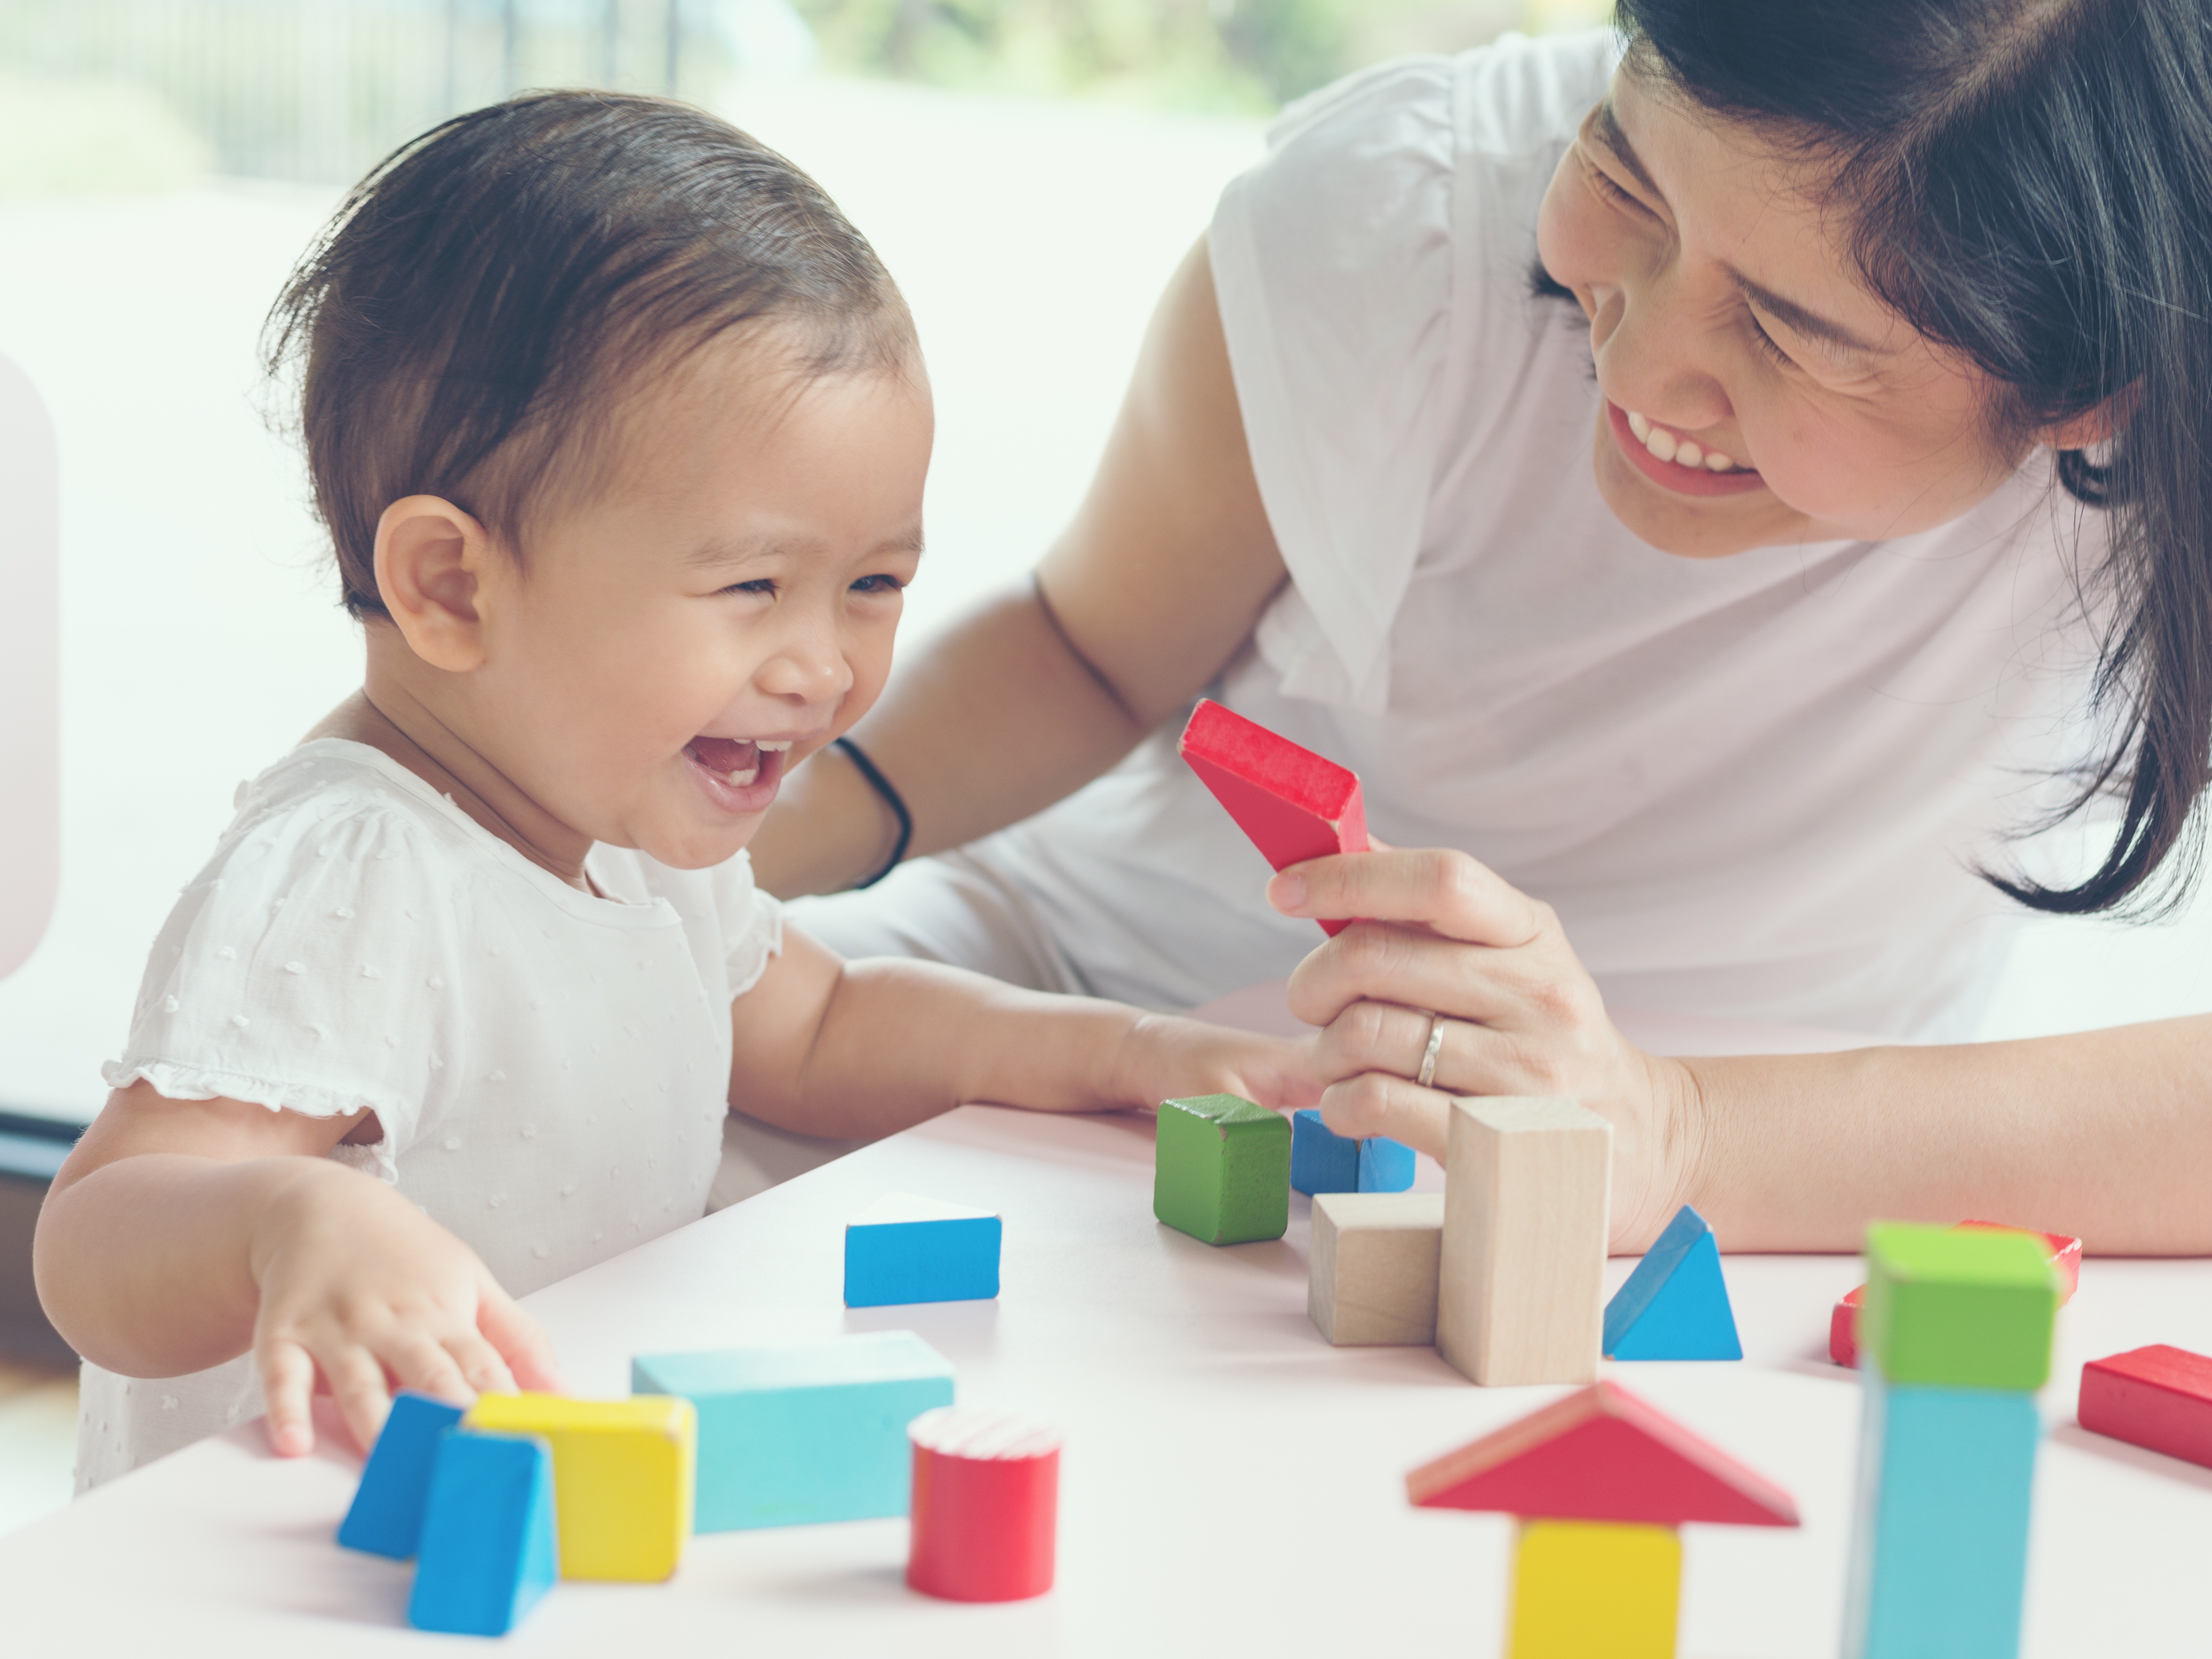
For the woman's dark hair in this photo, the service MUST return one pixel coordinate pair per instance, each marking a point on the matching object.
(2030, 184)
(488, 294)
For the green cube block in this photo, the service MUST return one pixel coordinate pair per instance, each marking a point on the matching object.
(1965, 1309)
(1221, 1169)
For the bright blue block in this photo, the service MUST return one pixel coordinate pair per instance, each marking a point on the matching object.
(814, 1432)
(1321, 1160)
(1939, 1553)
(489, 1548)
(386, 1516)
(904, 1249)
(1385, 1165)
(1675, 1304)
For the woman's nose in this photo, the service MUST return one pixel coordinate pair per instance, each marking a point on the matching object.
(1653, 359)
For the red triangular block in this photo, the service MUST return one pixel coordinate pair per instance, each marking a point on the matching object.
(1601, 1454)
(1294, 805)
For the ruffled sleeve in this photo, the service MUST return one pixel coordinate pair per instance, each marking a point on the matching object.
(311, 968)
(752, 923)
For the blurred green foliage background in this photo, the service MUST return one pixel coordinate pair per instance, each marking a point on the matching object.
(1248, 56)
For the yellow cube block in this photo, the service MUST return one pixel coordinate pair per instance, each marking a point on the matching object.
(623, 1476)
(1596, 1589)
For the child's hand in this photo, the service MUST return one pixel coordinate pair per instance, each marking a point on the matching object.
(360, 1287)
(1163, 1058)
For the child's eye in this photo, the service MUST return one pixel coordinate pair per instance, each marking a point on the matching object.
(763, 587)
(877, 585)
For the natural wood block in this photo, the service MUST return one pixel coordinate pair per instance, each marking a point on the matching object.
(1593, 1589)
(1372, 1267)
(1521, 1290)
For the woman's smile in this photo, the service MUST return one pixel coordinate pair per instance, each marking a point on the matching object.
(1690, 472)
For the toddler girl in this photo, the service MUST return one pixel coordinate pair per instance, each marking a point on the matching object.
(620, 431)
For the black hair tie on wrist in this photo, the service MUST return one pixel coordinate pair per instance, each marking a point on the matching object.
(882, 785)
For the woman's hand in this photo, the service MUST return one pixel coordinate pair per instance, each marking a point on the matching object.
(1519, 1016)
(1163, 1058)
(361, 1289)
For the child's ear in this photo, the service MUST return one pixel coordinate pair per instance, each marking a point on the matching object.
(430, 556)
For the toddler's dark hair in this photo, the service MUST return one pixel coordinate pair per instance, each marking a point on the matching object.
(483, 298)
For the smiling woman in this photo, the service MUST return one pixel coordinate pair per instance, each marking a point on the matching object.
(1833, 509)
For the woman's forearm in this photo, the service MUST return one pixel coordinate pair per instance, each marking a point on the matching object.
(145, 1265)
(995, 718)
(2105, 1135)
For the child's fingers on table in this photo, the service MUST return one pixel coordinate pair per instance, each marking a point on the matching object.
(359, 1386)
(419, 1361)
(288, 1384)
(519, 1339)
(1377, 1103)
(1439, 887)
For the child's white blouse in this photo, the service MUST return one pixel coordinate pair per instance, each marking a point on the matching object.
(551, 1068)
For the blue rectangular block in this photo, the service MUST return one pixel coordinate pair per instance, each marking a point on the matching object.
(1321, 1160)
(903, 1248)
(490, 1550)
(811, 1432)
(1385, 1165)
(1939, 1549)
(386, 1515)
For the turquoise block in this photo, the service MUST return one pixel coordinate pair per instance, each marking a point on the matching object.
(1939, 1550)
(1321, 1160)
(811, 1432)
(489, 1549)
(1385, 1165)
(1675, 1304)
(904, 1249)
(386, 1517)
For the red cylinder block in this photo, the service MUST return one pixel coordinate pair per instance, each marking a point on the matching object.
(986, 1505)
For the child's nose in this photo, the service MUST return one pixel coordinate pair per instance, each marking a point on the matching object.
(806, 670)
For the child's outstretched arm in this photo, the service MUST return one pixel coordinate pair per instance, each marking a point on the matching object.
(181, 1233)
(831, 1047)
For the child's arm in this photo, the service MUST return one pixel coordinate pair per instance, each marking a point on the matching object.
(181, 1233)
(832, 1048)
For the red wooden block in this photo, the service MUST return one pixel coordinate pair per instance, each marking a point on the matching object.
(1844, 1328)
(1844, 1318)
(986, 1505)
(2158, 1397)
(1294, 805)
(1601, 1454)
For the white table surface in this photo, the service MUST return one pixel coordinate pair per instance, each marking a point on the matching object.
(1231, 1485)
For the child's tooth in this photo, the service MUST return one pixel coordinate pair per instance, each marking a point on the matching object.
(1661, 443)
(1716, 462)
(1688, 454)
(739, 779)
(1639, 426)
(772, 748)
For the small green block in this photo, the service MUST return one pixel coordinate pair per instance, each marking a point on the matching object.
(1963, 1309)
(1221, 1169)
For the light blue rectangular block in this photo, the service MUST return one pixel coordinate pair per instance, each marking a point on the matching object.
(811, 1432)
(904, 1249)
(1939, 1550)
(386, 1517)
(490, 1549)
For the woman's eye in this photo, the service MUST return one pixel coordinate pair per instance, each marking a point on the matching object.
(1602, 181)
(877, 585)
(1764, 342)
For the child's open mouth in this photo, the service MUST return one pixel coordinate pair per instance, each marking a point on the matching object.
(740, 774)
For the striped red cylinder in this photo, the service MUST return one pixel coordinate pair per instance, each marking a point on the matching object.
(986, 1504)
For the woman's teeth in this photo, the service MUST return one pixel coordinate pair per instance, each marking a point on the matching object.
(1680, 450)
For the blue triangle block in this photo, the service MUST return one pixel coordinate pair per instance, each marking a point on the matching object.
(1321, 1160)
(1675, 1304)
(1385, 1165)
(490, 1550)
(386, 1516)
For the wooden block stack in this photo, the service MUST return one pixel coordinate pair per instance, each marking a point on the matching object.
(1956, 1331)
